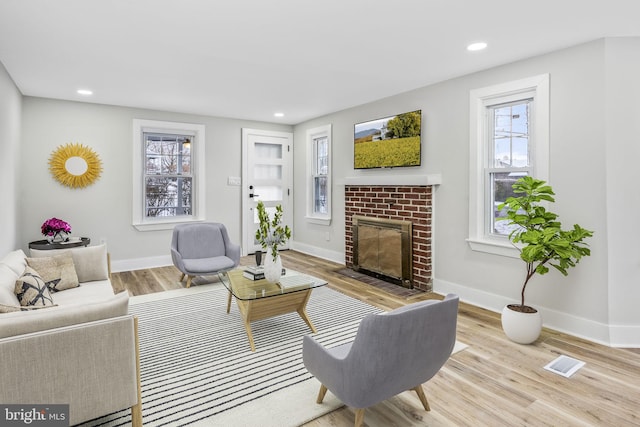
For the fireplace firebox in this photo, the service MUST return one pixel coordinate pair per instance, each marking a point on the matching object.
(383, 248)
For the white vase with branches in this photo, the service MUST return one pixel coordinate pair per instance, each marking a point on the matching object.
(271, 234)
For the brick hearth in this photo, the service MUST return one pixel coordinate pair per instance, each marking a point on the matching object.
(407, 203)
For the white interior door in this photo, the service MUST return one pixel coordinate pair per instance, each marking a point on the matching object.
(267, 176)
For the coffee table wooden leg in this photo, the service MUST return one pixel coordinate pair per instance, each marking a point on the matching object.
(247, 327)
(302, 311)
(229, 303)
(245, 310)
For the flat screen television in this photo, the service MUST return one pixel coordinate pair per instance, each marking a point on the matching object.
(389, 142)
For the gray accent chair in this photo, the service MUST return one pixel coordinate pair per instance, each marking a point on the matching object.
(203, 248)
(391, 353)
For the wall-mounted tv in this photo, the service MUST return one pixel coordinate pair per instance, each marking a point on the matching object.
(388, 142)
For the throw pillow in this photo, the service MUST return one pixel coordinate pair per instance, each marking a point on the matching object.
(56, 267)
(7, 286)
(31, 290)
(15, 261)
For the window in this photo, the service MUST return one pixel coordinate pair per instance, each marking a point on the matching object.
(167, 177)
(168, 174)
(319, 194)
(509, 155)
(509, 138)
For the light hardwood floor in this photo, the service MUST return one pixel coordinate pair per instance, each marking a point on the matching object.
(493, 382)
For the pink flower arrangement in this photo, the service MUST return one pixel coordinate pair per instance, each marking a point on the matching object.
(55, 226)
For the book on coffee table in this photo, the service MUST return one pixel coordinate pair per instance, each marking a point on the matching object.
(256, 273)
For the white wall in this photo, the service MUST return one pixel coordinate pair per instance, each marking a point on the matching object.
(10, 115)
(104, 209)
(623, 203)
(582, 128)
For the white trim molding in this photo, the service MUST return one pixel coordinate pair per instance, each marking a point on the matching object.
(431, 179)
(536, 87)
(139, 221)
(314, 134)
(601, 333)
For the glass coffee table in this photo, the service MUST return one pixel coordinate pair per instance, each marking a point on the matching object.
(260, 299)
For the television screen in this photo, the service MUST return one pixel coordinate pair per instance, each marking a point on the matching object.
(388, 142)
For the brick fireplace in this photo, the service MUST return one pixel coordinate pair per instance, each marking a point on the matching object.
(397, 203)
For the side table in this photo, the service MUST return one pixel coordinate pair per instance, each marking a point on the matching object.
(44, 245)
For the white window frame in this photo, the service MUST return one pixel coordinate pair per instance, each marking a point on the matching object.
(140, 126)
(537, 88)
(312, 135)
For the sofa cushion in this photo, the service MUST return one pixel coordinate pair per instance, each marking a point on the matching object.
(32, 290)
(25, 322)
(56, 267)
(5, 308)
(90, 261)
(89, 292)
(15, 261)
(8, 279)
(208, 265)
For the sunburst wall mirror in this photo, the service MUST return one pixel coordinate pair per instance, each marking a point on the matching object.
(75, 165)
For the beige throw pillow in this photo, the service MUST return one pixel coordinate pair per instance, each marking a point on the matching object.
(31, 290)
(56, 267)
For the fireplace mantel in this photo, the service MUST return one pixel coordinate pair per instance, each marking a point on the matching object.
(430, 179)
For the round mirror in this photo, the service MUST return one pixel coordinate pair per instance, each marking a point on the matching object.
(75, 165)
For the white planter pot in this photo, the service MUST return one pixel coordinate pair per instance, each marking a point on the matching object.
(523, 328)
(272, 269)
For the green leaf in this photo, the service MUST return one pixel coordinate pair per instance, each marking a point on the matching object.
(539, 231)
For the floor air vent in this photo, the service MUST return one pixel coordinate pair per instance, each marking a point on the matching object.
(565, 366)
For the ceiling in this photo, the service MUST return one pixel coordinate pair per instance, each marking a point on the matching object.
(248, 59)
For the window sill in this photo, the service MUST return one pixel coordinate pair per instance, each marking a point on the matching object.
(164, 225)
(319, 221)
(494, 247)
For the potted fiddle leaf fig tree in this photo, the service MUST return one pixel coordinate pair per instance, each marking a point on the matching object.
(271, 234)
(542, 243)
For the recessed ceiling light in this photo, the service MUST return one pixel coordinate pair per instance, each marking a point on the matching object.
(477, 46)
(278, 114)
(85, 92)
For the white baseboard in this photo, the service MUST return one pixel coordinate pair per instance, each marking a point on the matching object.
(316, 251)
(609, 335)
(140, 263)
(624, 336)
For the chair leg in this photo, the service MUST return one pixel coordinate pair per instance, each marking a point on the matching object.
(321, 393)
(422, 397)
(182, 277)
(189, 280)
(359, 417)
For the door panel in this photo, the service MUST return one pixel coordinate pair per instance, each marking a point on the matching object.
(266, 176)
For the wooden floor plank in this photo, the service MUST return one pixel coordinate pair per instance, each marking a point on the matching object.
(494, 382)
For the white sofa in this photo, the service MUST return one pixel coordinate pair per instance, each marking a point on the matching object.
(83, 351)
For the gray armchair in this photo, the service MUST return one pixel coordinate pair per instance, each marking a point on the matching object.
(391, 353)
(202, 248)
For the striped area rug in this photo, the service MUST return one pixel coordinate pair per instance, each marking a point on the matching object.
(197, 366)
